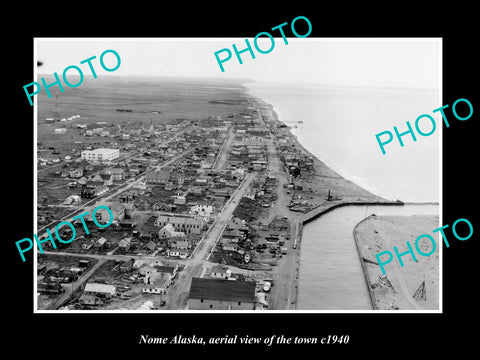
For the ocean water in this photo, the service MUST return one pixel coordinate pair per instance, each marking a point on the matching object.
(339, 127)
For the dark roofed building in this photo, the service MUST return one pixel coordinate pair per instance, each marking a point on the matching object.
(53, 288)
(151, 245)
(172, 270)
(217, 294)
(158, 177)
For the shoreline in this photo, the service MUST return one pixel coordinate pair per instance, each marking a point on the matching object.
(312, 121)
(362, 263)
(299, 145)
(321, 210)
(304, 217)
(323, 179)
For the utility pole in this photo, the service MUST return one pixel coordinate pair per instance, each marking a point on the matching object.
(57, 113)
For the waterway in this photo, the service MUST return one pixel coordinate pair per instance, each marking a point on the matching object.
(331, 275)
(339, 126)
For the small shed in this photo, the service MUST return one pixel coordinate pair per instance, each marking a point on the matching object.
(100, 243)
(150, 246)
(84, 263)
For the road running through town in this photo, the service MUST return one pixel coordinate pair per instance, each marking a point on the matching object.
(178, 293)
(89, 205)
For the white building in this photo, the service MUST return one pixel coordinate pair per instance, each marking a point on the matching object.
(219, 272)
(179, 200)
(60, 131)
(168, 231)
(101, 154)
(202, 210)
(102, 290)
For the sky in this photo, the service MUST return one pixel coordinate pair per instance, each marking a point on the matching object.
(378, 62)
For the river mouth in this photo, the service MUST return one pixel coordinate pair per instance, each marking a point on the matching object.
(331, 276)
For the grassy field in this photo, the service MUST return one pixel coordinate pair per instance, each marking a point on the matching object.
(125, 100)
(156, 99)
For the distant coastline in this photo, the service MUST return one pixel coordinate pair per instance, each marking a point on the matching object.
(329, 206)
(338, 123)
(277, 116)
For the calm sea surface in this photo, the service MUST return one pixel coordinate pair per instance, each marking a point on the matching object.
(339, 127)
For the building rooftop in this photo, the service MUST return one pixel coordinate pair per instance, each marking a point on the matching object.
(101, 288)
(178, 220)
(180, 251)
(165, 269)
(157, 175)
(222, 290)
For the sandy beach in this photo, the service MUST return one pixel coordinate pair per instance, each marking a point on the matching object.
(396, 289)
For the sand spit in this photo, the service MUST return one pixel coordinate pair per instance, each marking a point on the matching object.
(396, 289)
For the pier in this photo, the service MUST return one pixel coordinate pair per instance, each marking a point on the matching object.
(331, 205)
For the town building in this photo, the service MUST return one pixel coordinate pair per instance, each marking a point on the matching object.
(250, 194)
(72, 200)
(117, 209)
(118, 174)
(179, 200)
(168, 231)
(221, 294)
(175, 252)
(100, 290)
(182, 244)
(259, 165)
(92, 188)
(201, 209)
(232, 236)
(52, 288)
(125, 244)
(101, 154)
(238, 224)
(87, 245)
(100, 243)
(126, 266)
(229, 246)
(157, 177)
(156, 282)
(170, 269)
(76, 173)
(150, 246)
(219, 272)
(106, 179)
(188, 225)
(87, 299)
